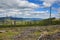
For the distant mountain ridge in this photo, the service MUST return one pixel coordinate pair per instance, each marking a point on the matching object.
(13, 18)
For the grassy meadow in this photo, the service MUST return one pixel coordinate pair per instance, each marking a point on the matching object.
(27, 33)
(28, 30)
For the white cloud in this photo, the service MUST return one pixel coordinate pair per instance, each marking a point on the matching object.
(58, 10)
(25, 14)
(58, 14)
(23, 8)
(37, 14)
(18, 7)
(40, 12)
(1, 10)
(48, 3)
(17, 4)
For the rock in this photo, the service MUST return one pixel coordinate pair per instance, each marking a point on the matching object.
(50, 37)
(2, 31)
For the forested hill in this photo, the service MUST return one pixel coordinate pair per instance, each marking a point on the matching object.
(13, 18)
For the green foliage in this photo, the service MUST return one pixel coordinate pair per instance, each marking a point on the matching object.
(49, 21)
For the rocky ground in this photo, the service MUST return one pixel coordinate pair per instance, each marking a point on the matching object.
(31, 33)
(55, 36)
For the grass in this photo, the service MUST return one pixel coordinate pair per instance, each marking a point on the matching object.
(8, 34)
(37, 33)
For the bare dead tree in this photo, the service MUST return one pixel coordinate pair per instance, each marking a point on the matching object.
(50, 16)
(15, 20)
(59, 16)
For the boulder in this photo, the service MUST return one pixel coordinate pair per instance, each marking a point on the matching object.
(2, 31)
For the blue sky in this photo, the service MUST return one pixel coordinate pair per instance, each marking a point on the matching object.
(29, 8)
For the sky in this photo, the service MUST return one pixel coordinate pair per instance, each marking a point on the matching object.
(29, 8)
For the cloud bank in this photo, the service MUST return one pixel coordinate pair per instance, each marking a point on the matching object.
(17, 4)
(24, 8)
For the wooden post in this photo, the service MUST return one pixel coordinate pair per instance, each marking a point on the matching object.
(59, 16)
(50, 16)
(15, 20)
